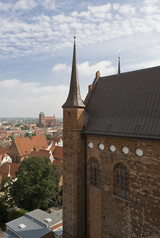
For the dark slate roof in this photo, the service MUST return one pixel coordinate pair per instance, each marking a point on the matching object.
(74, 97)
(126, 104)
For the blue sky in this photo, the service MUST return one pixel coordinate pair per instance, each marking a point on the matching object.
(36, 43)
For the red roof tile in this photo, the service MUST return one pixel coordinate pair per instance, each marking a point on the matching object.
(24, 145)
(3, 150)
(40, 153)
(58, 152)
(40, 141)
(4, 169)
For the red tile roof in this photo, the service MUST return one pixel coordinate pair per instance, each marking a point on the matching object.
(49, 118)
(59, 163)
(40, 141)
(58, 152)
(25, 144)
(3, 150)
(4, 169)
(52, 148)
(40, 153)
(54, 227)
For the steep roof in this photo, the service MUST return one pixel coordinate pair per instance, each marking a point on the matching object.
(126, 104)
(24, 145)
(58, 153)
(40, 141)
(4, 169)
(74, 97)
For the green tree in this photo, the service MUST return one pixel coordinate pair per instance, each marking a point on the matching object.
(37, 182)
(25, 127)
(14, 214)
(48, 137)
(11, 137)
(5, 191)
(3, 215)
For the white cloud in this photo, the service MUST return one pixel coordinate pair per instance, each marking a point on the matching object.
(127, 9)
(47, 34)
(88, 69)
(48, 4)
(5, 6)
(9, 83)
(60, 68)
(26, 99)
(24, 5)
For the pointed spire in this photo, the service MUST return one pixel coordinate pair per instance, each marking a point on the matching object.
(74, 97)
(119, 66)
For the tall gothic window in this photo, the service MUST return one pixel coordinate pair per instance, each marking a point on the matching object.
(95, 173)
(121, 181)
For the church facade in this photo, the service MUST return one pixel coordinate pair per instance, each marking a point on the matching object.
(111, 175)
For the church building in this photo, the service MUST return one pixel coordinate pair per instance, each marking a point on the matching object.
(111, 174)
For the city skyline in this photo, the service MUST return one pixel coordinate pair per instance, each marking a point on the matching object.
(36, 48)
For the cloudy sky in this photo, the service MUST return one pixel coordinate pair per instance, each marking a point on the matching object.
(36, 43)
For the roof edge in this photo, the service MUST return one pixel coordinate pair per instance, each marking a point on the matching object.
(147, 137)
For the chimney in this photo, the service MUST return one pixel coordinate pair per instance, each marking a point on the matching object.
(9, 170)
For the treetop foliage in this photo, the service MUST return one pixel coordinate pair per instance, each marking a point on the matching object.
(37, 182)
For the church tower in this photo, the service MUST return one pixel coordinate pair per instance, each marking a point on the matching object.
(74, 164)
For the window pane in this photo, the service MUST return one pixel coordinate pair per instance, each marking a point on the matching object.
(121, 181)
(95, 173)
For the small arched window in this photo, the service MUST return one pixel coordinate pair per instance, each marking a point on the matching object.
(121, 181)
(95, 173)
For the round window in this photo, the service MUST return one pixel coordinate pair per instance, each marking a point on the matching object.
(101, 146)
(125, 150)
(90, 145)
(112, 148)
(139, 152)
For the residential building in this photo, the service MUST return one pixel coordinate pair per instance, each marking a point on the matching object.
(4, 157)
(22, 147)
(42, 153)
(36, 224)
(8, 170)
(111, 151)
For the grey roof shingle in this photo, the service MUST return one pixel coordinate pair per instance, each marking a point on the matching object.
(126, 104)
(55, 216)
(33, 228)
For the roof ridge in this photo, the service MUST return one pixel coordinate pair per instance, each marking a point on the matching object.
(128, 72)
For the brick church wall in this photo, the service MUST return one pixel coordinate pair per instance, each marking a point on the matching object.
(116, 217)
(73, 174)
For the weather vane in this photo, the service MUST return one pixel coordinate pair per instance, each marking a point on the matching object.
(74, 34)
(119, 53)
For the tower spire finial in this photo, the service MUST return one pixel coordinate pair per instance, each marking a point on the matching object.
(119, 65)
(74, 97)
(74, 34)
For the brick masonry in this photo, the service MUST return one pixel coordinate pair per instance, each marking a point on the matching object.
(110, 216)
(73, 174)
(14, 153)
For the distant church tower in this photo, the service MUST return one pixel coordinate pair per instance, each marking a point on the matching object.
(41, 118)
(74, 164)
